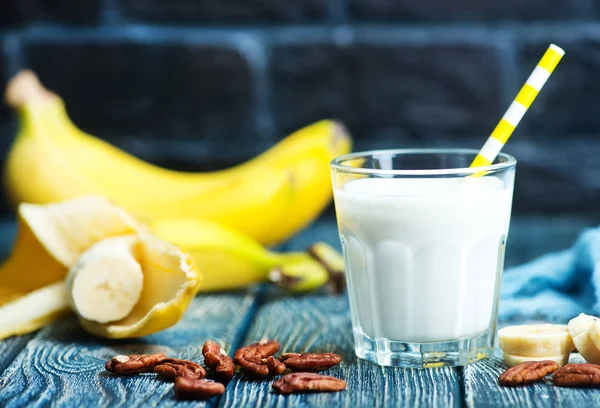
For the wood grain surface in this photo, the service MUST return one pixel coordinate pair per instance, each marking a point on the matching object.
(482, 390)
(62, 366)
(322, 323)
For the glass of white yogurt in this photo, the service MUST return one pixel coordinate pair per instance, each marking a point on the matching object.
(423, 237)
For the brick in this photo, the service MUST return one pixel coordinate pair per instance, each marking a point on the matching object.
(219, 11)
(130, 91)
(13, 12)
(565, 107)
(4, 111)
(468, 10)
(556, 177)
(7, 123)
(388, 93)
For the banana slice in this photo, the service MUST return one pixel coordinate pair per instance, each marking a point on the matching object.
(580, 324)
(579, 328)
(107, 281)
(586, 347)
(536, 340)
(594, 334)
(512, 360)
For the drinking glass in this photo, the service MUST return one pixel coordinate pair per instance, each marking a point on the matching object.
(423, 237)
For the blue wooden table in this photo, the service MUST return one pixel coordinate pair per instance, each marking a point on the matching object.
(63, 366)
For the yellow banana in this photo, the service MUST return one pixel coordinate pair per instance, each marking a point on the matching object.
(122, 281)
(51, 237)
(233, 260)
(270, 197)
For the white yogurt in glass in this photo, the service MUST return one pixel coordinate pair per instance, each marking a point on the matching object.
(423, 254)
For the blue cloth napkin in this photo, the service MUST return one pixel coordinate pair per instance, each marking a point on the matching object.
(557, 286)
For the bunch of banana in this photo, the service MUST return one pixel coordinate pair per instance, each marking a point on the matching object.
(268, 198)
(535, 342)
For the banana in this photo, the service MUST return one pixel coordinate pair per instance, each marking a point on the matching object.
(51, 238)
(587, 348)
(580, 324)
(122, 282)
(580, 329)
(34, 310)
(270, 197)
(232, 260)
(594, 333)
(106, 282)
(171, 280)
(303, 275)
(512, 360)
(536, 340)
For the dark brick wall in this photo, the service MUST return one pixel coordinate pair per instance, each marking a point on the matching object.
(469, 10)
(17, 12)
(224, 12)
(205, 84)
(407, 93)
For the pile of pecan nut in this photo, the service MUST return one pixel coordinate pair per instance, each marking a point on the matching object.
(256, 360)
(571, 375)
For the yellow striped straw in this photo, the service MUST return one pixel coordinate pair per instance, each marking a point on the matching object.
(519, 106)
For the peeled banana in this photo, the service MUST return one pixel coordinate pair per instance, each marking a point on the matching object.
(170, 282)
(106, 282)
(535, 342)
(51, 238)
(269, 198)
(233, 260)
(122, 282)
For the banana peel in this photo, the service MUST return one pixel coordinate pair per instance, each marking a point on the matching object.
(50, 240)
(33, 310)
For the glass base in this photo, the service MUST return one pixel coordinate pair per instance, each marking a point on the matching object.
(451, 353)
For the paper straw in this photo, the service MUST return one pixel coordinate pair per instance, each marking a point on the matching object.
(519, 106)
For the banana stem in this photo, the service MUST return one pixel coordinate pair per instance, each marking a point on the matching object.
(25, 88)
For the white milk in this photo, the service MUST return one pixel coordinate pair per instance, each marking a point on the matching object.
(423, 254)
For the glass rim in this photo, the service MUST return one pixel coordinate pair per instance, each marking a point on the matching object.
(509, 161)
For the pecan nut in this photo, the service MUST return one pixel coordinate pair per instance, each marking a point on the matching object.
(253, 358)
(174, 367)
(527, 372)
(276, 367)
(192, 388)
(310, 361)
(134, 363)
(216, 358)
(578, 375)
(308, 382)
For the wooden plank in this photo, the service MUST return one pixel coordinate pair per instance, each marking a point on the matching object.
(10, 348)
(322, 323)
(482, 389)
(64, 366)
